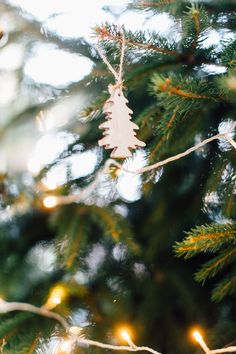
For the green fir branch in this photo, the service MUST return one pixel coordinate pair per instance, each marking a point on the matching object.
(219, 239)
(227, 84)
(211, 268)
(179, 97)
(206, 238)
(136, 41)
(158, 6)
(76, 224)
(224, 288)
(195, 24)
(228, 56)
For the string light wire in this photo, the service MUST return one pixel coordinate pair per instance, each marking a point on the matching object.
(78, 339)
(79, 197)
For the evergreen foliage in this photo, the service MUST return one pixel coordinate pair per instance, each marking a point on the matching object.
(114, 255)
(216, 239)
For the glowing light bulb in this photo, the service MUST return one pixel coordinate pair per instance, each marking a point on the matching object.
(56, 296)
(75, 330)
(125, 335)
(118, 172)
(197, 336)
(56, 300)
(50, 202)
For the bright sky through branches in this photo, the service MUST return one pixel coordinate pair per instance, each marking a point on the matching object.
(49, 65)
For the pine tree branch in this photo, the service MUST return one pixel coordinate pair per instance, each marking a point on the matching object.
(214, 266)
(105, 34)
(225, 287)
(152, 47)
(153, 4)
(196, 20)
(206, 238)
(186, 94)
(157, 147)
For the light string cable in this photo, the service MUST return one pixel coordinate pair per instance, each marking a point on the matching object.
(85, 193)
(117, 74)
(76, 338)
(198, 337)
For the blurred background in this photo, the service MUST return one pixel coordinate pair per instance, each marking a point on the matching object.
(107, 262)
(41, 60)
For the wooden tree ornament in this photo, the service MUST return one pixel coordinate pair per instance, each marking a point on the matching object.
(119, 133)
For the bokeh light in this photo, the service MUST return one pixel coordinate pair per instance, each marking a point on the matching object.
(50, 202)
(56, 296)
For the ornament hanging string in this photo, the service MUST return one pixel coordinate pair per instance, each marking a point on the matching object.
(119, 131)
(117, 75)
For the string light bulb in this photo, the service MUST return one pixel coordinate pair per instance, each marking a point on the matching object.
(118, 172)
(197, 336)
(75, 330)
(50, 202)
(125, 333)
(57, 295)
(199, 339)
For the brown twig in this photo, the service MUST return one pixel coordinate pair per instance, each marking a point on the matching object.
(152, 4)
(187, 94)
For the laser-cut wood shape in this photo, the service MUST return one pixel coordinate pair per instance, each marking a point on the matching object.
(119, 131)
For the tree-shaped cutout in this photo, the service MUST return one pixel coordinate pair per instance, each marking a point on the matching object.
(119, 133)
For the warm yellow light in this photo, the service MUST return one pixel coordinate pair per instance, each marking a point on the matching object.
(56, 300)
(118, 172)
(197, 336)
(56, 296)
(124, 334)
(75, 330)
(50, 202)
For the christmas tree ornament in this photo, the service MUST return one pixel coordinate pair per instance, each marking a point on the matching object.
(119, 131)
